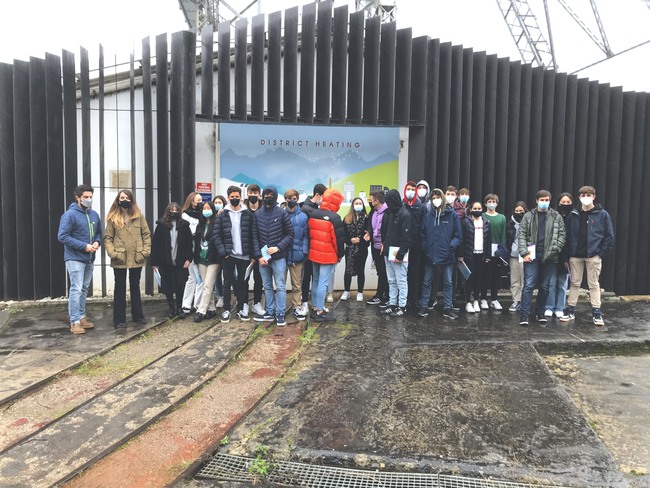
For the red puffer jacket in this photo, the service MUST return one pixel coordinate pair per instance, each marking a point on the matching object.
(326, 230)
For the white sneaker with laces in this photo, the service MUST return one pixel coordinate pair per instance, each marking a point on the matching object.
(477, 307)
(496, 305)
(219, 302)
(469, 308)
(559, 314)
(330, 298)
(484, 305)
(345, 295)
(359, 297)
(258, 309)
(304, 309)
(548, 313)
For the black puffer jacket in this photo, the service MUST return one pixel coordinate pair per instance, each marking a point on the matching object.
(222, 234)
(272, 227)
(161, 244)
(467, 247)
(396, 225)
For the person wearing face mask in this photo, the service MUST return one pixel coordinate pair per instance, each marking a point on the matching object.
(356, 249)
(494, 268)
(441, 234)
(422, 190)
(451, 198)
(373, 235)
(272, 231)
(253, 202)
(80, 232)
(463, 200)
(512, 243)
(310, 205)
(128, 243)
(541, 238)
(232, 237)
(416, 211)
(298, 253)
(474, 252)
(557, 289)
(590, 237)
(194, 287)
(171, 254)
(207, 260)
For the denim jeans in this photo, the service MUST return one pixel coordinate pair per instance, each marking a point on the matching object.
(321, 274)
(397, 274)
(534, 272)
(557, 291)
(432, 275)
(276, 271)
(80, 276)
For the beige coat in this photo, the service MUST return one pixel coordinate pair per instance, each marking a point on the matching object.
(129, 246)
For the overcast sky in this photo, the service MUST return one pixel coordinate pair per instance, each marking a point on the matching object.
(38, 26)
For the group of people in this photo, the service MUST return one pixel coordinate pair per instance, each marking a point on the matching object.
(207, 251)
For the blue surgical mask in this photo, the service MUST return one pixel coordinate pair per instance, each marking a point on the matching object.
(358, 208)
(464, 198)
(218, 206)
(543, 205)
(207, 213)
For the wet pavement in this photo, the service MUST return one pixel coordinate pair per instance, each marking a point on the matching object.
(470, 396)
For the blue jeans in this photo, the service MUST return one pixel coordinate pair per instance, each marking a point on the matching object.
(398, 287)
(534, 272)
(432, 271)
(276, 271)
(321, 275)
(80, 276)
(557, 291)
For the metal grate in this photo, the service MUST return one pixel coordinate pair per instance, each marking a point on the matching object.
(225, 467)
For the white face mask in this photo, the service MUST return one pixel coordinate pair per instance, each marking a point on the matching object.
(450, 199)
(436, 202)
(422, 192)
(410, 194)
(587, 201)
(491, 206)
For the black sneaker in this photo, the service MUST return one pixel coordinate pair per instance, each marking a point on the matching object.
(597, 317)
(541, 318)
(387, 309)
(141, 321)
(198, 317)
(455, 308)
(569, 314)
(432, 305)
(225, 316)
(120, 325)
(423, 312)
(182, 313)
(523, 321)
(374, 301)
(320, 317)
(210, 314)
(398, 312)
(280, 321)
(450, 314)
(384, 304)
(267, 317)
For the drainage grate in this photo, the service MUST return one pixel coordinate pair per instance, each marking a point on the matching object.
(225, 467)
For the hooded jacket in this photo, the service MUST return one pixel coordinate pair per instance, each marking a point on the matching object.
(326, 230)
(396, 226)
(272, 227)
(425, 199)
(416, 211)
(300, 248)
(555, 236)
(222, 238)
(79, 227)
(600, 231)
(441, 235)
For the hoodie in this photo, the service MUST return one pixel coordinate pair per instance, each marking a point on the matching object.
(395, 227)
(326, 230)
(416, 210)
(424, 199)
(79, 227)
(272, 227)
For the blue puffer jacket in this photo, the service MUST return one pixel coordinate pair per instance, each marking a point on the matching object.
(600, 232)
(272, 227)
(79, 227)
(300, 249)
(441, 234)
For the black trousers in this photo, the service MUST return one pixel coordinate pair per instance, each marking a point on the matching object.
(173, 279)
(119, 292)
(236, 281)
(307, 271)
(258, 286)
(360, 268)
(491, 278)
(474, 284)
(382, 277)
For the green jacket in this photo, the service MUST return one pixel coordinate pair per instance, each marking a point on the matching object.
(129, 246)
(555, 235)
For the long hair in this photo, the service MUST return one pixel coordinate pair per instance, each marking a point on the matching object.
(166, 218)
(119, 216)
(189, 201)
(351, 216)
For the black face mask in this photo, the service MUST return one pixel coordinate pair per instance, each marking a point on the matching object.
(253, 199)
(125, 203)
(292, 203)
(174, 215)
(566, 208)
(518, 216)
(477, 213)
(268, 201)
(235, 202)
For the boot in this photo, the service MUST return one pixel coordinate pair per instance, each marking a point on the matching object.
(172, 309)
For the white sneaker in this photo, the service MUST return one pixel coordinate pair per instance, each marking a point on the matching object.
(330, 298)
(359, 297)
(304, 309)
(469, 308)
(484, 305)
(559, 313)
(258, 309)
(477, 307)
(219, 302)
(345, 295)
(496, 305)
(548, 313)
